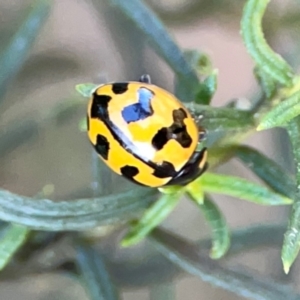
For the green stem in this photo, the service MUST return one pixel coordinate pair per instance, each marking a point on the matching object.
(243, 284)
(94, 273)
(12, 59)
(80, 214)
(218, 225)
(153, 216)
(156, 33)
(269, 61)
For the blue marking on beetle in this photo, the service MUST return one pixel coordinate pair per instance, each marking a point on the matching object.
(142, 109)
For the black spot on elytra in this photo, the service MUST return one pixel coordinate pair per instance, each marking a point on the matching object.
(140, 110)
(179, 115)
(181, 135)
(177, 131)
(161, 138)
(164, 170)
(129, 171)
(102, 146)
(119, 87)
(99, 106)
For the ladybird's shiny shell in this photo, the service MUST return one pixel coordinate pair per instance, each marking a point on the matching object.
(136, 126)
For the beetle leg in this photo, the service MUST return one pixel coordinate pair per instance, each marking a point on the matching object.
(202, 134)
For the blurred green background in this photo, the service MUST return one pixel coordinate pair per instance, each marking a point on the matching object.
(89, 41)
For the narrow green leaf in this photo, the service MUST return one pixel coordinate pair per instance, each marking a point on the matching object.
(195, 191)
(281, 114)
(267, 84)
(86, 89)
(80, 214)
(219, 155)
(12, 238)
(207, 89)
(218, 119)
(267, 170)
(94, 273)
(240, 282)
(151, 218)
(254, 237)
(250, 238)
(13, 57)
(241, 188)
(153, 29)
(218, 225)
(265, 58)
(203, 66)
(171, 189)
(291, 243)
(199, 61)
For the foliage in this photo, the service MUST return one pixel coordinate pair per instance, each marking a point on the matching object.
(196, 82)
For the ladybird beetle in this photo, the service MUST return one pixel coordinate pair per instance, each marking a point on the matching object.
(144, 133)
